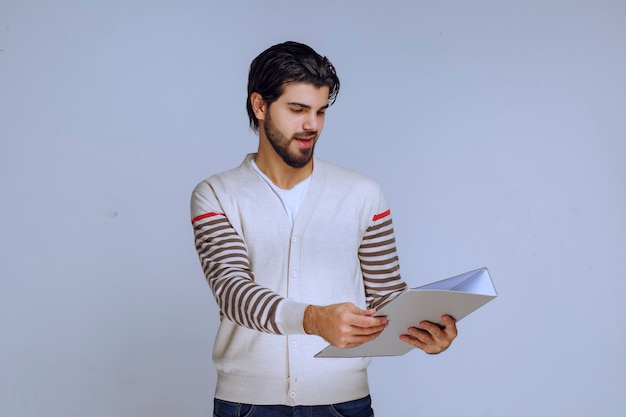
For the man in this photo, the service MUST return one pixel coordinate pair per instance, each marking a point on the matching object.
(298, 253)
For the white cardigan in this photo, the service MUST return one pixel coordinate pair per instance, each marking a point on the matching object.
(264, 271)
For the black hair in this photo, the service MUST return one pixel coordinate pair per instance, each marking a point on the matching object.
(285, 63)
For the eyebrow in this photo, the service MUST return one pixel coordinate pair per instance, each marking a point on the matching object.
(306, 106)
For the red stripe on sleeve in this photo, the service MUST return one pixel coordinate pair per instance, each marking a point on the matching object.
(205, 215)
(382, 215)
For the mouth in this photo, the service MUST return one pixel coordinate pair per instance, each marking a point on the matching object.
(305, 141)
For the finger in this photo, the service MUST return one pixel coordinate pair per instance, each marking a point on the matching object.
(359, 340)
(419, 335)
(431, 328)
(413, 340)
(423, 341)
(364, 326)
(369, 312)
(359, 312)
(367, 321)
(369, 330)
(450, 326)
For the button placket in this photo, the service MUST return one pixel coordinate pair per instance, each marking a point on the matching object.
(294, 346)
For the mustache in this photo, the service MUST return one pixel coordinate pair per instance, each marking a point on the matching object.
(305, 135)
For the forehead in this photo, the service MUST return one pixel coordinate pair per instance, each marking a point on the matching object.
(306, 94)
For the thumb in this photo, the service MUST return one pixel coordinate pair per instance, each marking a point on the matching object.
(354, 309)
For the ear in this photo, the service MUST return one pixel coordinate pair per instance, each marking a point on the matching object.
(259, 107)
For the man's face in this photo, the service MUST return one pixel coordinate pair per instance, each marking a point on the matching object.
(294, 122)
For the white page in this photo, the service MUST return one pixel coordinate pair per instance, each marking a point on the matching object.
(472, 282)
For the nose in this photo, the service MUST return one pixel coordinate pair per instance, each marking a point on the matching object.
(312, 122)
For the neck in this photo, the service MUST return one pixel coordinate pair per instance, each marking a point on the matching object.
(282, 175)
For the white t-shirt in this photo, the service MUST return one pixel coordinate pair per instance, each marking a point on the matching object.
(291, 199)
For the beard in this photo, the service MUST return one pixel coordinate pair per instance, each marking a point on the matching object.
(295, 159)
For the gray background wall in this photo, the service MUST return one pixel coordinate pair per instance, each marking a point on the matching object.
(496, 128)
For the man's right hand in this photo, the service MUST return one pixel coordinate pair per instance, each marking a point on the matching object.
(344, 325)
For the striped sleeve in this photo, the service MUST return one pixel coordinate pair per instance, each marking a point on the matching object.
(379, 261)
(226, 265)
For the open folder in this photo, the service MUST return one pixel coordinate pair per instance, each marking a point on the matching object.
(457, 296)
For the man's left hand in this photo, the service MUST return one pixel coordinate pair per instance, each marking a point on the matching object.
(430, 337)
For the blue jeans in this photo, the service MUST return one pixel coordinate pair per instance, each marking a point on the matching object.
(356, 408)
